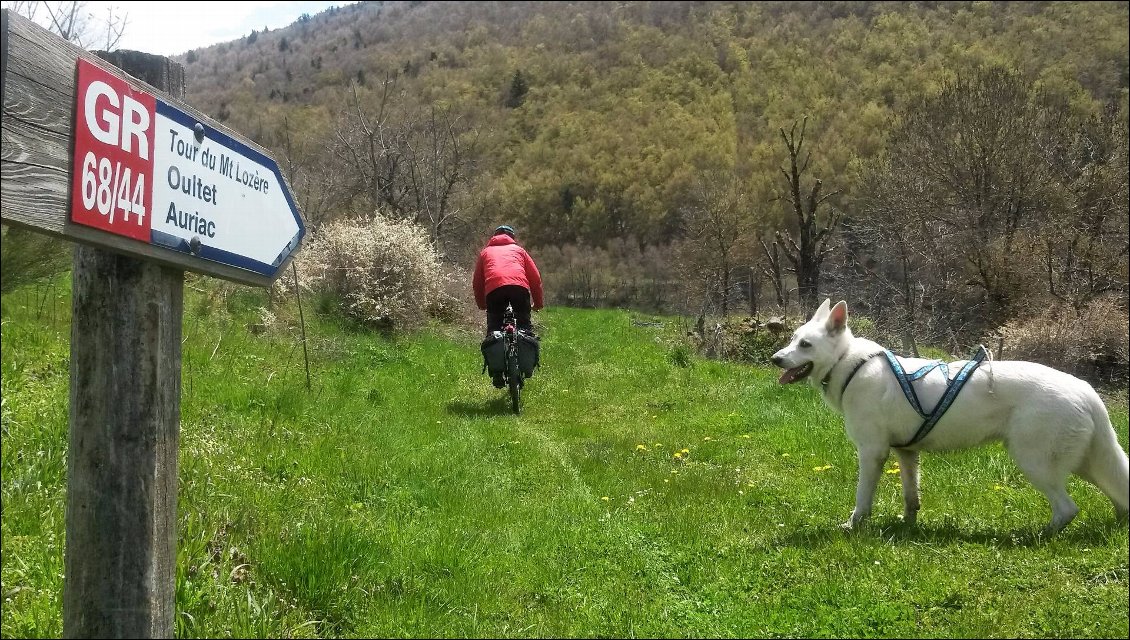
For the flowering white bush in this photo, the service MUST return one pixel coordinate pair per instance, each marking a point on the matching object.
(383, 271)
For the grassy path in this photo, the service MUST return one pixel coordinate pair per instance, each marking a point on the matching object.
(399, 497)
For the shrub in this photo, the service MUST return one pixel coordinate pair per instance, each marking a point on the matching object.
(863, 327)
(680, 356)
(379, 271)
(27, 256)
(742, 340)
(1092, 343)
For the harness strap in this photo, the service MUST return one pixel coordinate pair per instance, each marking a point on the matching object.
(904, 382)
(847, 380)
(851, 375)
(925, 370)
(952, 388)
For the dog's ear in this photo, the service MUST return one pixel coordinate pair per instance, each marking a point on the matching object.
(837, 317)
(823, 310)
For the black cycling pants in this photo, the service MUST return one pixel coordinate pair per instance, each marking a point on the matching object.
(514, 295)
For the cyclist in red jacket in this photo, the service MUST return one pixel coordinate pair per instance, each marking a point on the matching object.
(506, 274)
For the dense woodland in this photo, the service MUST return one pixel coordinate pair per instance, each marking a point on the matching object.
(956, 170)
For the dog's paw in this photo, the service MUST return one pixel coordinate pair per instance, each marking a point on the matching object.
(1049, 531)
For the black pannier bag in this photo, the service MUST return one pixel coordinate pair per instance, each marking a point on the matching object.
(494, 353)
(529, 349)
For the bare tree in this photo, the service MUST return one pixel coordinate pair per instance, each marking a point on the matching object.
(967, 182)
(893, 285)
(413, 168)
(372, 146)
(811, 244)
(717, 224)
(994, 200)
(1085, 249)
(439, 161)
(773, 269)
(75, 22)
(319, 183)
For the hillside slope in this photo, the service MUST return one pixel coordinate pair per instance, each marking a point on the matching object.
(592, 120)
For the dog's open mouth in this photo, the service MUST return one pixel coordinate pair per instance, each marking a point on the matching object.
(796, 374)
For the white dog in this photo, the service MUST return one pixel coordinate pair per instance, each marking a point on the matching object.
(1052, 423)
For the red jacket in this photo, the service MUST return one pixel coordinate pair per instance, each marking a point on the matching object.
(504, 262)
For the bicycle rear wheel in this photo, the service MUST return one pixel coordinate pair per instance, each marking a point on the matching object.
(514, 377)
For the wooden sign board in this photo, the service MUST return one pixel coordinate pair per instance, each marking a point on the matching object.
(94, 155)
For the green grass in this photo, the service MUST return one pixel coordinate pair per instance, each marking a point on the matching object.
(398, 497)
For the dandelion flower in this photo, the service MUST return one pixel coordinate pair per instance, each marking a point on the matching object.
(678, 455)
(605, 498)
(997, 487)
(824, 468)
(641, 447)
(685, 451)
(785, 455)
(746, 435)
(659, 444)
(707, 439)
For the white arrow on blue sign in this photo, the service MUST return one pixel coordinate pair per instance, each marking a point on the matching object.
(151, 171)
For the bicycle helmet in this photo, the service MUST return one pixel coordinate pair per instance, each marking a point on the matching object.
(507, 229)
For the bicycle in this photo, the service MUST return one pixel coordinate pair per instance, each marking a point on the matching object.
(512, 374)
(511, 355)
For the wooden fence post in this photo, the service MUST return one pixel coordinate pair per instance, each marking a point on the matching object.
(121, 514)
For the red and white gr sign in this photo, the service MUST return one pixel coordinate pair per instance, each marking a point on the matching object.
(113, 161)
(149, 170)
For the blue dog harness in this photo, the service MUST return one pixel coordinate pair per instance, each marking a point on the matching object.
(953, 387)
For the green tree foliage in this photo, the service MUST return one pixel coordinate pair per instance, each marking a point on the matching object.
(518, 89)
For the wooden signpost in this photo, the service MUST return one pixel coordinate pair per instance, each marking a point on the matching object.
(105, 153)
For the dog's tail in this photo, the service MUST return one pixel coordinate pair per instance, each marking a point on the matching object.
(1106, 465)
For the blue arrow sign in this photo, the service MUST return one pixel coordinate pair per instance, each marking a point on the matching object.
(219, 199)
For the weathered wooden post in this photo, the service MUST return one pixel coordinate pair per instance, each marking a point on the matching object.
(151, 188)
(124, 430)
